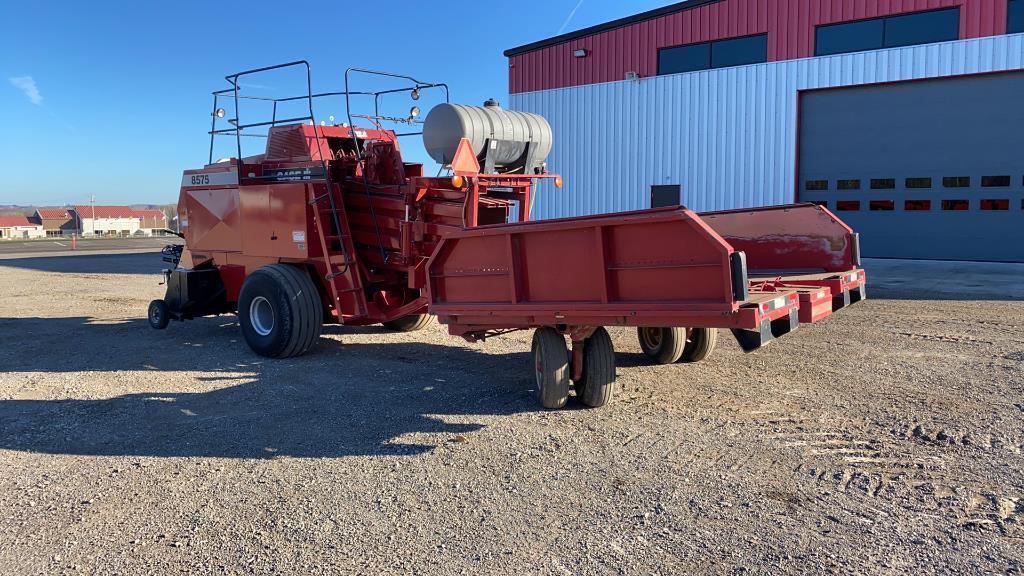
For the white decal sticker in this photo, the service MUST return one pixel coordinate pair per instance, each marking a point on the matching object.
(298, 236)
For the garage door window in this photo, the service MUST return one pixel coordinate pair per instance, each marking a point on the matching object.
(883, 183)
(956, 182)
(955, 205)
(917, 183)
(889, 32)
(883, 205)
(848, 205)
(816, 185)
(995, 181)
(999, 205)
(917, 205)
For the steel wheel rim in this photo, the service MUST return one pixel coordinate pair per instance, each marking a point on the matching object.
(154, 314)
(651, 337)
(261, 315)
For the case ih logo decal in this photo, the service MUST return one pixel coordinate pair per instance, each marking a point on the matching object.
(293, 174)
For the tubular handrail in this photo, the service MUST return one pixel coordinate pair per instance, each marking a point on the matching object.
(309, 97)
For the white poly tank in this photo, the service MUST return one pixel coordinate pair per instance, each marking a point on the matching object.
(447, 124)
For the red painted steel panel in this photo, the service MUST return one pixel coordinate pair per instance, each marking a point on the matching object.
(619, 264)
(800, 237)
(790, 25)
(273, 217)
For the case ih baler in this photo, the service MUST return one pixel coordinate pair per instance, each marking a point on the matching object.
(330, 225)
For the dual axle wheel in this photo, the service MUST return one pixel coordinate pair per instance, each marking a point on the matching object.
(553, 368)
(670, 345)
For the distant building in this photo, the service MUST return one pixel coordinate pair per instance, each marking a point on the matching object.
(19, 227)
(152, 222)
(107, 220)
(56, 221)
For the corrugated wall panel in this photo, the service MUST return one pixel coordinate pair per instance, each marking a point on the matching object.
(790, 25)
(728, 136)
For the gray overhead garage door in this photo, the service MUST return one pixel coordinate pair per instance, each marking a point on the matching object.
(925, 169)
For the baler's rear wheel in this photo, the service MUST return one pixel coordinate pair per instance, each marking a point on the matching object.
(280, 311)
(663, 345)
(597, 386)
(410, 323)
(551, 367)
(700, 344)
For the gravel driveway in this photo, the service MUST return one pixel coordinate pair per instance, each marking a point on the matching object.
(885, 440)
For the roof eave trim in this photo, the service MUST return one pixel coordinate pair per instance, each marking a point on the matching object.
(614, 24)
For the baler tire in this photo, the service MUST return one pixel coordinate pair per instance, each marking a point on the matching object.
(551, 367)
(700, 345)
(597, 386)
(410, 323)
(297, 311)
(663, 345)
(159, 314)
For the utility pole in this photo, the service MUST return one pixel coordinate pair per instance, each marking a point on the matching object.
(92, 205)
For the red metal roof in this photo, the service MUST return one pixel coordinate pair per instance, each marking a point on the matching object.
(54, 213)
(106, 212)
(151, 214)
(11, 221)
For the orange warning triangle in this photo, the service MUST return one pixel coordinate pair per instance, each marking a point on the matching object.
(464, 163)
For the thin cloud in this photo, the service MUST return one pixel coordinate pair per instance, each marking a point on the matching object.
(569, 17)
(27, 85)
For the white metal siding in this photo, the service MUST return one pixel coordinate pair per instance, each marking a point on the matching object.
(727, 136)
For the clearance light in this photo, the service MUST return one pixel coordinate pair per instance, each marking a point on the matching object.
(558, 182)
(458, 181)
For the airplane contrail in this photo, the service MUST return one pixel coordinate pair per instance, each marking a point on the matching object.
(569, 17)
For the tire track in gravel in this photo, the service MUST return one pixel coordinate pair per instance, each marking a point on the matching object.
(853, 462)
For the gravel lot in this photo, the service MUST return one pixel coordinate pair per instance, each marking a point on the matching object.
(885, 440)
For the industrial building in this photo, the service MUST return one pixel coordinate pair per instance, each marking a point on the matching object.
(56, 221)
(19, 228)
(97, 221)
(904, 118)
(151, 222)
(107, 220)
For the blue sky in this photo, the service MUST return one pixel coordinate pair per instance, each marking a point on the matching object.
(113, 98)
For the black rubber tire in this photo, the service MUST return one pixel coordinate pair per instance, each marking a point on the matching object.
(551, 367)
(597, 386)
(410, 323)
(159, 314)
(663, 345)
(700, 344)
(298, 311)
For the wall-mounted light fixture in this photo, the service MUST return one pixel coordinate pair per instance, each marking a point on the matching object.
(581, 53)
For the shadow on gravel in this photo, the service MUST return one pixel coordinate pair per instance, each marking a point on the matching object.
(145, 263)
(342, 399)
